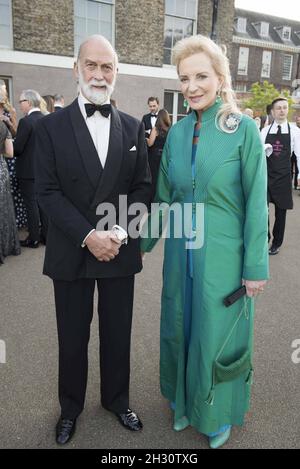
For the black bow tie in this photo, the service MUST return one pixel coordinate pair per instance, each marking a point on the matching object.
(153, 115)
(105, 109)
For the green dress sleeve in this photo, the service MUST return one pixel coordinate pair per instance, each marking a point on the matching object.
(254, 182)
(153, 227)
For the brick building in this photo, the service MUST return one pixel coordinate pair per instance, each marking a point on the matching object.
(265, 48)
(38, 42)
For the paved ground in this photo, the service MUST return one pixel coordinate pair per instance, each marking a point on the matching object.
(28, 380)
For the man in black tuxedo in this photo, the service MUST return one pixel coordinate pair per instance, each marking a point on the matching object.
(24, 148)
(149, 120)
(88, 154)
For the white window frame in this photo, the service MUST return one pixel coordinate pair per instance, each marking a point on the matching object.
(174, 112)
(113, 5)
(264, 29)
(185, 18)
(287, 77)
(241, 25)
(266, 62)
(286, 29)
(240, 70)
(10, 45)
(240, 87)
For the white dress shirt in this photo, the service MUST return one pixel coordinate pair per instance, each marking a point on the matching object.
(295, 136)
(99, 128)
(153, 121)
(34, 109)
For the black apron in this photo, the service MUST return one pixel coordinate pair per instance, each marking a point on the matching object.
(279, 170)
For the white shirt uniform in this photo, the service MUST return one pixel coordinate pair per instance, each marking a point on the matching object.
(295, 136)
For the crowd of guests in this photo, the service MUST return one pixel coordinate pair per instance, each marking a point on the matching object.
(18, 205)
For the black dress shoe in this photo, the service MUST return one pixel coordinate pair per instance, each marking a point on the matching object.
(273, 250)
(130, 421)
(29, 243)
(65, 429)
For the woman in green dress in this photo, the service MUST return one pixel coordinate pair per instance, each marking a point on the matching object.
(213, 168)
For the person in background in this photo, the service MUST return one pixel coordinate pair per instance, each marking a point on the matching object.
(156, 143)
(24, 148)
(285, 139)
(258, 122)
(9, 240)
(9, 116)
(59, 102)
(49, 100)
(149, 119)
(205, 348)
(248, 112)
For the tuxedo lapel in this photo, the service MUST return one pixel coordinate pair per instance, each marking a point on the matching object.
(86, 145)
(113, 161)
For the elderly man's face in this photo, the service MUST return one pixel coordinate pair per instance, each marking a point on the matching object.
(96, 71)
(25, 105)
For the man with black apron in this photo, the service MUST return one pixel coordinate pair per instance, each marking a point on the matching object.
(279, 135)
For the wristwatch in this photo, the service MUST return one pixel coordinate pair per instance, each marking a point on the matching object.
(120, 233)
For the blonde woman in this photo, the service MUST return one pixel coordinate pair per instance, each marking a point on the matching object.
(213, 166)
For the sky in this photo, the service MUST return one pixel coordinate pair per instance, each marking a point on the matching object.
(284, 9)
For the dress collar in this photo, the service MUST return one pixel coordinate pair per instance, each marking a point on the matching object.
(209, 113)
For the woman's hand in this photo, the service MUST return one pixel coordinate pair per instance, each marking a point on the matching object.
(143, 254)
(254, 287)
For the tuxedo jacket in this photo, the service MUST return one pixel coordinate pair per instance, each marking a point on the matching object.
(147, 121)
(24, 145)
(71, 184)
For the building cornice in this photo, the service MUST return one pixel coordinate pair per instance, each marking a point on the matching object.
(64, 62)
(265, 44)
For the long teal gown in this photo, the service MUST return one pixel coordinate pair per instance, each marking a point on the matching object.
(230, 188)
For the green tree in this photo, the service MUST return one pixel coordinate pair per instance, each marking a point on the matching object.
(262, 95)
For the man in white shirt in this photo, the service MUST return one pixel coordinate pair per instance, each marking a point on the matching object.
(89, 155)
(149, 120)
(285, 139)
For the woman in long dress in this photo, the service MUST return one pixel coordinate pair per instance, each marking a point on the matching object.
(9, 241)
(213, 167)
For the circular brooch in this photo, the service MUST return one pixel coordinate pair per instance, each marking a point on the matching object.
(232, 122)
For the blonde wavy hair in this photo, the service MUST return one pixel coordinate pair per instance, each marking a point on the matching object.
(4, 99)
(220, 63)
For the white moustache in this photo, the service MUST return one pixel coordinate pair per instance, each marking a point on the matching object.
(97, 83)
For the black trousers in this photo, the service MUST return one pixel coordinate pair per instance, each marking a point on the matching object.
(279, 227)
(27, 188)
(74, 312)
